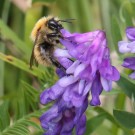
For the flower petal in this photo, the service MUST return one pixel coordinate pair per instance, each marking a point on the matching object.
(85, 73)
(77, 100)
(106, 70)
(68, 94)
(51, 94)
(131, 45)
(67, 80)
(132, 75)
(60, 73)
(81, 87)
(123, 47)
(93, 47)
(87, 88)
(130, 31)
(45, 97)
(96, 90)
(65, 62)
(81, 125)
(85, 37)
(68, 123)
(115, 74)
(72, 68)
(50, 114)
(79, 111)
(129, 63)
(100, 37)
(65, 33)
(107, 84)
(61, 53)
(79, 69)
(71, 47)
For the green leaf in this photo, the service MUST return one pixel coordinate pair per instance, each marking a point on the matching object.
(127, 86)
(85, 14)
(4, 116)
(33, 124)
(112, 119)
(30, 90)
(128, 17)
(1, 7)
(94, 123)
(120, 101)
(31, 96)
(20, 126)
(116, 35)
(20, 107)
(22, 65)
(10, 35)
(19, 129)
(125, 118)
(108, 115)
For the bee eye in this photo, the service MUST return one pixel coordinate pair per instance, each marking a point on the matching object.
(53, 25)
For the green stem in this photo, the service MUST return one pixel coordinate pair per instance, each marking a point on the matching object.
(105, 16)
(2, 47)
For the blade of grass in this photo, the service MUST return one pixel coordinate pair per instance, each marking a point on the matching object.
(5, 12)
(10, 35)
(22, 65)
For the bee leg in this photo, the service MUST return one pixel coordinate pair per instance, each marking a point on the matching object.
(57, 64)
(71, 60)
(50, 35)
(55, 34)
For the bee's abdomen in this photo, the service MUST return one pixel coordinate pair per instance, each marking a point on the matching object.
(43, 52)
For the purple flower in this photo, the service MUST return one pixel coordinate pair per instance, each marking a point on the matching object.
(62, 117)
(68, 88)
(129, 46)
(86, 58)
(92, 61)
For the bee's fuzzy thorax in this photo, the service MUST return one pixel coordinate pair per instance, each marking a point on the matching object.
(37, 27)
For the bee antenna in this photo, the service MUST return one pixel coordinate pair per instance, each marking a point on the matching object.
(67, 20)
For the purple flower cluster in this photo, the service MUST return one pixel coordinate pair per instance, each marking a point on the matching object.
(126, 47)
(86, 58)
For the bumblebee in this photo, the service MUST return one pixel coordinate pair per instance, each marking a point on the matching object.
(45, 35)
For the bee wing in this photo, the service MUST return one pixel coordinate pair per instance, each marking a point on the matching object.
(32, 58)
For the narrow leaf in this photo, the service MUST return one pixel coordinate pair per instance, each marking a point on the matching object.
(33, 124)
(10, 35)
(125, 118)
(127, 85)
(116, 35)
(128, 17)
(22, 65)
(112, 119)
(94, 123)
(4, 116)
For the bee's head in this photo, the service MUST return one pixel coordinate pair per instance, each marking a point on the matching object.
(46, 22)
(54, 25)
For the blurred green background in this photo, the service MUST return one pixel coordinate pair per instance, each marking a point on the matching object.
(20, 87)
